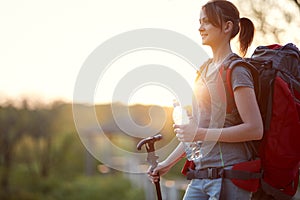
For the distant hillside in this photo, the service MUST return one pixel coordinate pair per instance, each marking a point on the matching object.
(135, 121)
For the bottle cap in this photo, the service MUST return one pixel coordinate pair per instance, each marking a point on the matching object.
(175, 103)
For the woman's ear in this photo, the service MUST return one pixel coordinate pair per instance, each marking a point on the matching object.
(228, 27)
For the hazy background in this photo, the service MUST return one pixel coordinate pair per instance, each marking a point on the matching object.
(43, 45)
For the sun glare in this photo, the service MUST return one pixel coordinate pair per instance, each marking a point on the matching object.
(152, 95)
(125, 75)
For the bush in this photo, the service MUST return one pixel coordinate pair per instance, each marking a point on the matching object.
(98, 187)
(108, 187)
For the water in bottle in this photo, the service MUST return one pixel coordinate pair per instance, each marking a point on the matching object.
(180, 116)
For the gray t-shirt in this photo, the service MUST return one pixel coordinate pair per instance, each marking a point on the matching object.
(209, 108)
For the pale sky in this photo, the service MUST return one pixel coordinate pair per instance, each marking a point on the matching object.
(44, 44)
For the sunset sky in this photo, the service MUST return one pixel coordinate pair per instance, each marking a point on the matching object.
(44, 44)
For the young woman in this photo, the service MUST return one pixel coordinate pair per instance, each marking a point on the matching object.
(224, 135)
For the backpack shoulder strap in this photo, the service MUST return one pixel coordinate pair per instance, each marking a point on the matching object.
(245, 63)
(226, 72)
(203, 68)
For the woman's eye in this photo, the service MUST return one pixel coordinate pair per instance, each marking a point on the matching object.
(204, 21)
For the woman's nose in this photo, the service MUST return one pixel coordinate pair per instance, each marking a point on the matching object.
(200, 28)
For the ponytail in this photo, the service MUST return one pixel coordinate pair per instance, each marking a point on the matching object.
(246, 34)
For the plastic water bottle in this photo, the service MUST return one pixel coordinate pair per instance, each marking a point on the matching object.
(180, 117)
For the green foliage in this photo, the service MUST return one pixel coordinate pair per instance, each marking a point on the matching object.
(42, 157)
(175, 172)
(107, 187)
(78, 188)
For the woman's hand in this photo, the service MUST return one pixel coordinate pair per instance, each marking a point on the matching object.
(161, 169)
(188, 132)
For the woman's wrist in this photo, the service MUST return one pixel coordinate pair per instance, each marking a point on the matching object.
(201, 132)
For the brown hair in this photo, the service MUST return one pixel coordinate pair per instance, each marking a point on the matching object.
(220, 11)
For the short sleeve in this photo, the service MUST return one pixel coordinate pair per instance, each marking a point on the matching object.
(241, 77)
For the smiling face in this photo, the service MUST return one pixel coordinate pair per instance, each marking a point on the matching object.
(211, 35)
(219, 22)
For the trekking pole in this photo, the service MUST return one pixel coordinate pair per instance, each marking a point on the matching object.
(152, 158)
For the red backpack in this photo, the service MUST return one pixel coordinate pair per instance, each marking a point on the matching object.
(276, 73)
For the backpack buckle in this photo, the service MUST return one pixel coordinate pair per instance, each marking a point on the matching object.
(212, 173)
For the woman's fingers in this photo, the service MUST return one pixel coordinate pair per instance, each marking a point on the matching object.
(180, 137)
(153, 176)
(175, 126)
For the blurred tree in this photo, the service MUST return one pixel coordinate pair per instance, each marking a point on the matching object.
(297, 2)
(275, 21)
(43, 129)
(50, 146)
(13, 124)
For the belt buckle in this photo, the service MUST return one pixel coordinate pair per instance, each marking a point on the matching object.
(212, 173)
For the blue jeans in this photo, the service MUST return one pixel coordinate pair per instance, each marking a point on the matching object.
(214, 189)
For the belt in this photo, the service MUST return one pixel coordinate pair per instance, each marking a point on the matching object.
(220, 172)
(207, 173)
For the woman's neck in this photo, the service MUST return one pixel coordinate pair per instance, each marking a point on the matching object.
(220, 53)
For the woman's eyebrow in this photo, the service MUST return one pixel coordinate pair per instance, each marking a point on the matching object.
(203, 19)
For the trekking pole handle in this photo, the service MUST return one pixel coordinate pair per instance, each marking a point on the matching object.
(152, 158)
(150, 141)
(149, 144)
